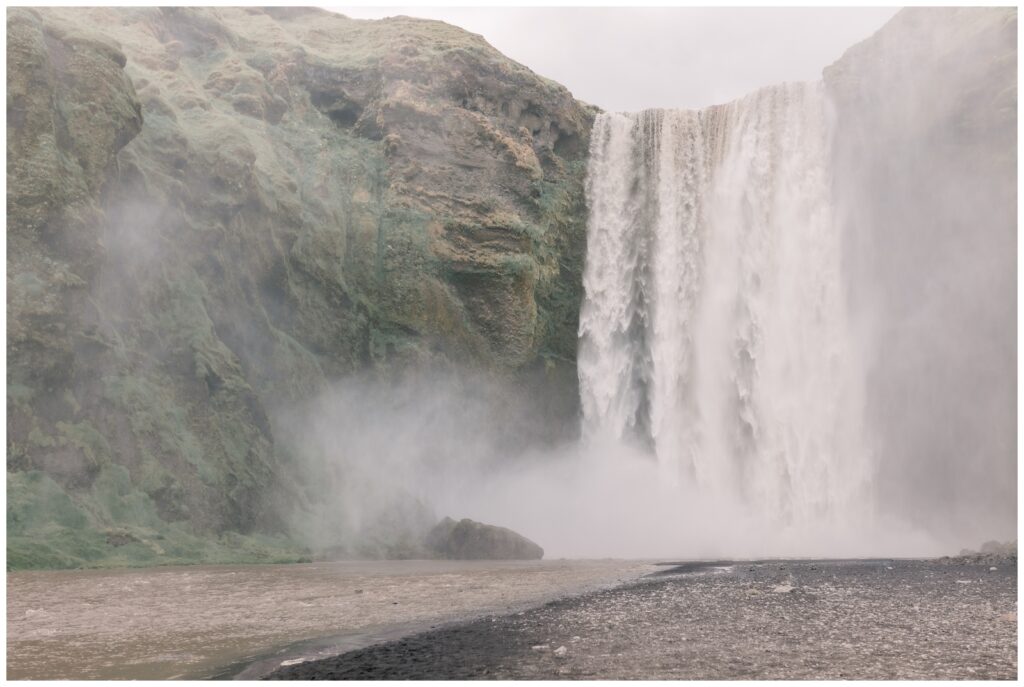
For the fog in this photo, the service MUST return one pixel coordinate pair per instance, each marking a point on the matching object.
(922, 202)
(628, 59)
(810, 307)
(384, 461)
(926, 191)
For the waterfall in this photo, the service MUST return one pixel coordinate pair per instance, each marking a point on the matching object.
(713, 331)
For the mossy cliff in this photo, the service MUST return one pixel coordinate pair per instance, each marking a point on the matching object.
(213, 213)
(216, 214)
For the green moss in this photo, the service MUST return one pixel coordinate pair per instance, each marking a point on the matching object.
(517, 265)
(117, 500)
(19, 394)
(34, 501)
(154, 413)
(46, 528)
(85, 437)
(32, 553)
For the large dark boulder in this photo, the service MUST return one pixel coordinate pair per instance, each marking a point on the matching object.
(471, 540)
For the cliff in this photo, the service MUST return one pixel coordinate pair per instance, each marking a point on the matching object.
(925, 178)
(213, 213)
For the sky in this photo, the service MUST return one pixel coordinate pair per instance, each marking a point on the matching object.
(628, 59)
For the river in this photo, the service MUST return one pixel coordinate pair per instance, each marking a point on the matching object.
(215, 621)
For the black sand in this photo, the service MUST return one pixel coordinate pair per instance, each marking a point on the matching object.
(765, 620)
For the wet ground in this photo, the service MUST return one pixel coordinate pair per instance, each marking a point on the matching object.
(218, 621)
(774, 620)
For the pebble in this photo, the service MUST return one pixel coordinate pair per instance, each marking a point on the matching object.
(635, 632)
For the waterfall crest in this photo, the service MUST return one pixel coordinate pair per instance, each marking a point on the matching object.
(714, 330)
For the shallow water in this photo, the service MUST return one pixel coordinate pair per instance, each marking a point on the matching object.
(204, 621)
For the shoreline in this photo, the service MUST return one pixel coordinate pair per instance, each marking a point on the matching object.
(212, 621)
(334, 647)
(249, 621)
(804, 619)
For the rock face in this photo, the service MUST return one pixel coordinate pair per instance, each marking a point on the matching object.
(215, 212)
(925, 177)
(471, 540)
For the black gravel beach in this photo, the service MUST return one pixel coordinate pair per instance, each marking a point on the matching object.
(877, 619)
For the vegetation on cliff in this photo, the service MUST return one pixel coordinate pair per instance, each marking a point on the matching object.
(222, 221)
(214, 213)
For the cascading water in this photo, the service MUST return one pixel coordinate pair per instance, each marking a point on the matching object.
(714, 329)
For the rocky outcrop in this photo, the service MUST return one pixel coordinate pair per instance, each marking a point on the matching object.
(471, 540)
(213, 213)
(992, 554)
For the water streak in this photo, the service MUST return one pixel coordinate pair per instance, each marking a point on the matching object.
(714, 328)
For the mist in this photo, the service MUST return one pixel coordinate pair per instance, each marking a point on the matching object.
(612, 343)
(382, 463)
(926, 191)
(796, 308)
(881, 425)
(626, 59)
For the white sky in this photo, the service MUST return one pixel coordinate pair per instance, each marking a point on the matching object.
(633, 58)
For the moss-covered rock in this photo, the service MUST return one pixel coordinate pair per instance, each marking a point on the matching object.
(471, 540)
(213, 213)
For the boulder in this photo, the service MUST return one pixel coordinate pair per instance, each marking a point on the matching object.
(471, 540)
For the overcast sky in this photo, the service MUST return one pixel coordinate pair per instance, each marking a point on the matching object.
(631, 59)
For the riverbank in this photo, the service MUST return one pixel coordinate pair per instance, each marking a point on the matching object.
(214, 621)
(882, 619)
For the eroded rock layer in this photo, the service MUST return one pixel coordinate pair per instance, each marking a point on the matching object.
(216, 212)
